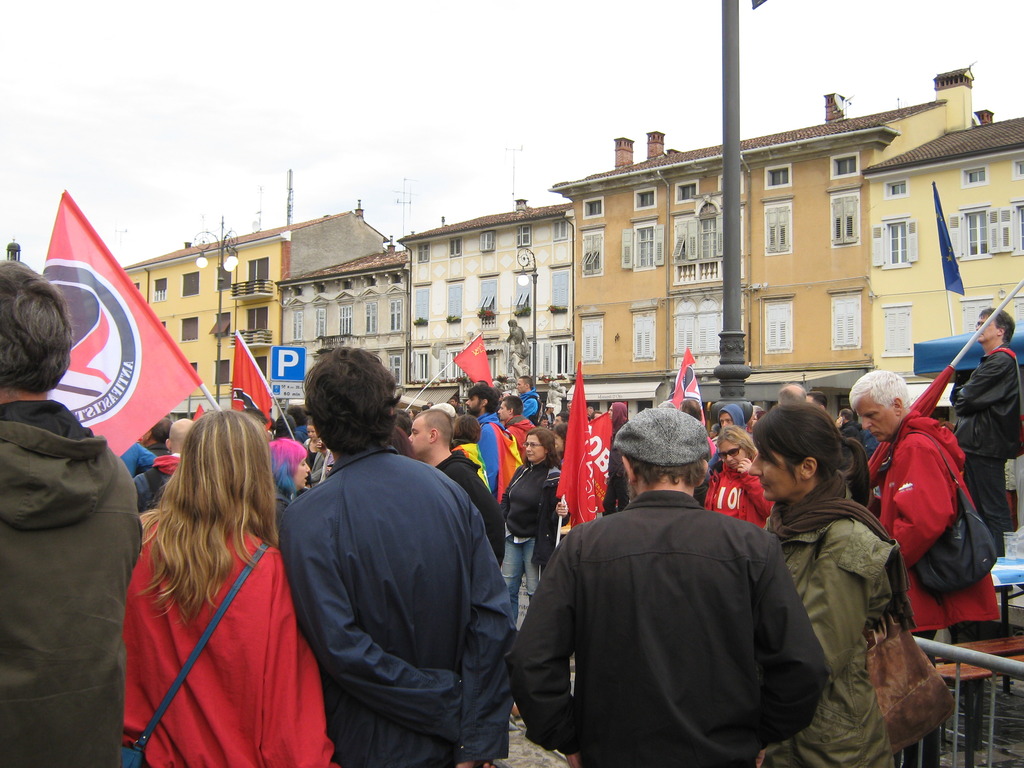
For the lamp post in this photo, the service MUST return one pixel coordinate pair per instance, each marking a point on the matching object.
(528, 261)
(226, 244)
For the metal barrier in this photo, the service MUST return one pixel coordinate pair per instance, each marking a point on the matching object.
(997, 664)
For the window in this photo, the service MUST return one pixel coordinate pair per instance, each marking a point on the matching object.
(593, 253)
(1018, 240)
(138, 286)
(259, 269)
(524, 236)
(970, 309)
(894, 244)
(488, 295)
(487, 241)
(223, 279)
(455, 247)
(1018, 170)
(258, 319)
(421, 365)
(697, 330)
(557, 358)
(455, 300)
(895, 189)
(321, 321)
(593, 339)
(371, 317)
(222, 325)
(297, 320)
(189, 328)
(975, 177)
(522, 299)
(846, 321)
(422, 304)
(560, 288)
(643, 336)
(646, 198)
(593, 208)
(395, 313)
(976, 225)
(710, 243)
(423, 253)
(686, 192)
(560, 230)
(844, 166)
(222, 372)
(345, 320)
(649, 246)
(778, 224)
(190, 284)
(644, 248)
(897, 330)
(845, 224)
(777, 177)
(160, 289)
(778, 326)
(395, 366)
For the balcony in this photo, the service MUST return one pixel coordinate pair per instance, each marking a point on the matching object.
(327, 343)
(253, 290)
(692, 272)
(260, 337)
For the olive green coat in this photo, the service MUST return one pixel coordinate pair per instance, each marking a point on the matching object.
(839, 572)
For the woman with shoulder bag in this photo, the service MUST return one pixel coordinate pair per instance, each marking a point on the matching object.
(253, 696)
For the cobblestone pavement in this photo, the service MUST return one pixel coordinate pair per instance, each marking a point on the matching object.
(523, 753)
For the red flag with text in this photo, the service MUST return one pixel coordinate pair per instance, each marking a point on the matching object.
(687, 387)
(584, 478)
(473, 360)
(126, 371)
(249, 388)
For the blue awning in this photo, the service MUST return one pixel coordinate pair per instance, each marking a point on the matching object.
(931, 357)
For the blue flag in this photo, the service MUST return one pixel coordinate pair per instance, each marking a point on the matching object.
(950, 267)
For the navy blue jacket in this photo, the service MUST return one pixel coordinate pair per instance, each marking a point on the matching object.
(395, 588)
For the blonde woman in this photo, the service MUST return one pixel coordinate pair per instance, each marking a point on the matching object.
(732, 490)
(254, 695)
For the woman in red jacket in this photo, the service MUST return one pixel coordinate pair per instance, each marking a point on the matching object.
(253, 697)
(731, 490)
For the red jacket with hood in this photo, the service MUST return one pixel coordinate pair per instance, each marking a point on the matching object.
(737, 494)
(917, 502)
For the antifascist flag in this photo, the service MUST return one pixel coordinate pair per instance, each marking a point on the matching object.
(126, 372)
(687, 387)
(950, 267)
(249, 389)
(473, 360)
(585, 463)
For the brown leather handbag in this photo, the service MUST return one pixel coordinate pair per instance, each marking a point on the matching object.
(911, 694)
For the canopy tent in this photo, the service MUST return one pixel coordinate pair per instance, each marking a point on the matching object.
(930, 357)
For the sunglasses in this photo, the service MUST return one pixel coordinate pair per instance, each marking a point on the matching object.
(731, 452)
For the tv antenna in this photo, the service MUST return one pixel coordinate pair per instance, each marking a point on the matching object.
(513, 150)
(405, 200)
(258, 224)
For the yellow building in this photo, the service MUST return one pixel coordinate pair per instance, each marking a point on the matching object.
(649, 235)
(979, 175)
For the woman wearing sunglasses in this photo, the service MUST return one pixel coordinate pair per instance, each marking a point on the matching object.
(731, 489)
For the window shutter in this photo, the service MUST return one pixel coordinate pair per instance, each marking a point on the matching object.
(719, 237)
(877, 247)
(545, 354)
(955, 235)
(783, 238)
(679, 248)
(692, 234)
(1005, 240)
(851, 223)
(771, 234)
(837, 220)
(912, 241)
(627, 249)
(659, 245)
(684, 333)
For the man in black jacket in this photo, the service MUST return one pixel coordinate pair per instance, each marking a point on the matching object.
(988, 422)
(692, 646)
(431, 441)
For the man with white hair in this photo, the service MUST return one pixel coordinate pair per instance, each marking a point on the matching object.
(916, 498)
(692, 646)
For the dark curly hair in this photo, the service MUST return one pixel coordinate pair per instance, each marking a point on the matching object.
(351, 398)
(487, 393)
(35, 330)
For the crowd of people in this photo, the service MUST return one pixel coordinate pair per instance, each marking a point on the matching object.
(341, 588)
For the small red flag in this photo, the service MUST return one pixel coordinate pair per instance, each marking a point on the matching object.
(687, 386)
(126, 371)
(199, 412)
(248, 387)
(585, 461)
(473, 360)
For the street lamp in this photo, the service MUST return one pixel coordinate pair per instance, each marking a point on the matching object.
(528, 261)
(203, 241)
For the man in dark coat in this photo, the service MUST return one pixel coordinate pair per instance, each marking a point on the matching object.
(692, 646)
(150, 484)
(395, 588)
(431, 443)
(988, 422)
(69, 538)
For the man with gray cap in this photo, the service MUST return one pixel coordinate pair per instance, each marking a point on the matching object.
(692, 646)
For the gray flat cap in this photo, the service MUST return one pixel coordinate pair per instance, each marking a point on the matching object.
(664, 438)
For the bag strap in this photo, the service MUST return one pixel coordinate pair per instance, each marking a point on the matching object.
(945, 459)
(140, 743)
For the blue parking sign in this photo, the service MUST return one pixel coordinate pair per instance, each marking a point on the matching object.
(287, 363)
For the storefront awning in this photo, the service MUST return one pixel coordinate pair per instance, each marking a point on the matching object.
(622, 390)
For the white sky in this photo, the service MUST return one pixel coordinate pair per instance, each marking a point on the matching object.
(158, 119)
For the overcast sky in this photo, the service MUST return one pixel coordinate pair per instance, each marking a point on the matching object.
(159, 119)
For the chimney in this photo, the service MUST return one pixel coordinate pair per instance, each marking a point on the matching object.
(391, 246)
(623, 152)
(520, 205)
(954, 88)
(835, 107)
(655, 144)
(984, 116)
(359, 209)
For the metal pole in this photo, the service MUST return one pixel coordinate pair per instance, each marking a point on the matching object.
(220, 305)
(533, 369)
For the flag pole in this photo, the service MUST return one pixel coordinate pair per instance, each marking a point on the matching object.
(209, 396)
(439, 375)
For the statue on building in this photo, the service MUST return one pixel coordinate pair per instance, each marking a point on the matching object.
(519, 349)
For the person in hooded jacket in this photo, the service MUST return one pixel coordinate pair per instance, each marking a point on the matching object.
(617, 496)
(732, 490)
(70, 536)
(150, 484)
(529, 509)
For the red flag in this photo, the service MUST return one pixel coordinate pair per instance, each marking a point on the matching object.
(473, 360)
(199, 412)
(126, 372)
(598, 450)
(585, 461)
(248, 386)
(687, 386)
